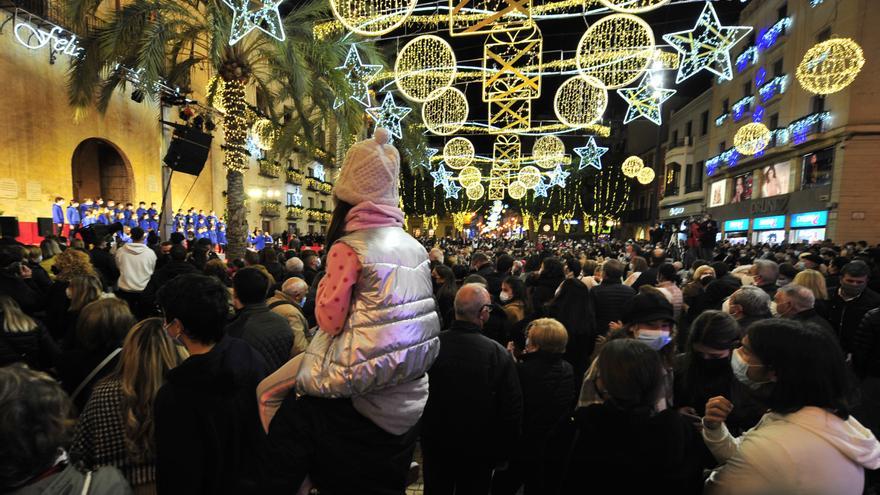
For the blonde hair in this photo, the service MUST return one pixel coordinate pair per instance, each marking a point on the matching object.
(14, 319)
(84, 289)
(814, 281)
(547, 334)
(701, 271)
(147, 356)
(72, 263)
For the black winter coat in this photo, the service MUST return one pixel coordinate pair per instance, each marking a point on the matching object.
(493, 278)
(548, 398)
(208, 432)
(162, 276)
(267, 332)
(475, 405)
(608, 300)
(543, 289)
(845, 316)
(634, 453)
(812, 316)
(24, 291)
(35, 348)
(866, 346)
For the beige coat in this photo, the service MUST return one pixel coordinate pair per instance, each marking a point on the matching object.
(295, 318)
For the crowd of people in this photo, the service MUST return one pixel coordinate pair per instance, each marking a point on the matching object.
(489, 365)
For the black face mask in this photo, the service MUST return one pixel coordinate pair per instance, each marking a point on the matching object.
(713, 366)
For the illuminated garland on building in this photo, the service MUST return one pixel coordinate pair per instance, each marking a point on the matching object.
(768, 37)
(775, 86)
(741, 106)
(235, 126)
(830, 66)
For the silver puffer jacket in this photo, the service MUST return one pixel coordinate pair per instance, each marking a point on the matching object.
(390, 335)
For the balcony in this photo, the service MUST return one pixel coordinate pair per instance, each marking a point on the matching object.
(294, 177)
(295, 212)
(270, 208)
(270, 169)
(315, 185)
(670, 191)
(318, 215)
(680, 151)
(45, 11)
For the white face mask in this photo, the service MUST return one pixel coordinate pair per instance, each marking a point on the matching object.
(505, 297)
(740, 371)
(656, 339)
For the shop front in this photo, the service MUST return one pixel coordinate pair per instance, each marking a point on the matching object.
(808, 227)
(768, 230)
(736, 231)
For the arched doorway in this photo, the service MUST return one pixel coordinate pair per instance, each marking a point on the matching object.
(101, 170)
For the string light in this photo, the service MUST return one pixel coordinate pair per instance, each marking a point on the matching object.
(830, 66)
(580, 101)
(389, 115)
(548, 151)
(529, 176)
(615, 50)
(631, 166)
(645, 100)
(425, 66)
(488, 16)
(235, 126)
(372, 17)
(775, 86)
(633, 6)
(646, 175)
(591, 155)
(446, 113)
(706, 46)
(214, 93)
(264, 133)
(458, 152)
(357, 74)
(267, 19)
(478, 128)
(752, 138)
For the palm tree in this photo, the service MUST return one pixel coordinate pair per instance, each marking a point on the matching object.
(167, 39)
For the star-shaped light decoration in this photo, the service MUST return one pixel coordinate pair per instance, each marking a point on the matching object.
(558, 177)
(706, 46)
(441, 176)
(356, 75)
(541, 189)
(645, 100)
(451, 189)
(429, 154)
(266, 18)
(591, 155)
(389, 115)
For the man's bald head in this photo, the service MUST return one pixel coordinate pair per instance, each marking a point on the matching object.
(469, 302)
(295, 288)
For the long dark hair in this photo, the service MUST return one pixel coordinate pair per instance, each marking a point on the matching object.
(809, 365)
(449, 287)
(572, 307)
(337, 224)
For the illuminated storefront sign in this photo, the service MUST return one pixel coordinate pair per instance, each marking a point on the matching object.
(809, 220)
(769, 223)
(738, 225)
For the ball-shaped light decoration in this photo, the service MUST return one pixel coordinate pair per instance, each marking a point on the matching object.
(264, 134)
(458, 152)
(516, 189)
(580, 101)
(469, 176)
(633, 6)
(830, 66)
(372, 17)
(752, 138)
(548, 151)
(645, 175)
(475, 191)
(425, 67)
(529, 176)
(616, 50)
(446, 113)
(631, 166)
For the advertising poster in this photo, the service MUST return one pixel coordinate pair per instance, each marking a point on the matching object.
(818, 168)
(717, 193)
(775, 179)
(742, 188)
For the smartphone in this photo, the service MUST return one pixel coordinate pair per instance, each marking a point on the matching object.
(692, 417)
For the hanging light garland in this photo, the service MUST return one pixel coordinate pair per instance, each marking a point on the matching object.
(475, 191)
(633, 6)
(469, 176)
(529, 176)
(264, 134)
(516, 189)
(372, 17)
(458, 152)
(548, 151)
(645, 175)
(830, 66)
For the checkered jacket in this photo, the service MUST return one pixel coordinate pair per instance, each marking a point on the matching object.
(100, 435)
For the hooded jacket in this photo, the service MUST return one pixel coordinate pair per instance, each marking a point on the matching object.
(136, 263)
(810, 451)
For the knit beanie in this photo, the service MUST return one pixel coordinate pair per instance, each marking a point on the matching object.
(370, 172)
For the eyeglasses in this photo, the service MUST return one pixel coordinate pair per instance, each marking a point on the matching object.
(485, 306)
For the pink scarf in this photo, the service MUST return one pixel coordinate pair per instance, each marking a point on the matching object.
(369, 215)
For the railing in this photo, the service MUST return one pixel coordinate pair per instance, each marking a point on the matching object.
(270, 208)
(316, 185)
(294, 177)
(684, 141)
(270, 169)
(697, 186)
(295, 212)
(318, 215)
(49, 10)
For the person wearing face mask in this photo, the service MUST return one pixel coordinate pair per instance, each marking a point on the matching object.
(513, 297)
(474, 412)
(796, 302)
(851, 301)
(207, 425)
(703, 371)
(808, 442)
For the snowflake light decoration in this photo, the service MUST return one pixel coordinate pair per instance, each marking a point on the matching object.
(591, 155)
(389, 114)
(356, 74)
(706, 46)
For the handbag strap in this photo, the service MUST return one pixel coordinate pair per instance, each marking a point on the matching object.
(87, 483)
(94, 372)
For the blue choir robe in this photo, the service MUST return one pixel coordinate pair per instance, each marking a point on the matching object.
(87, 220)
(102, 219)
(123, 238)
(141, 214)
(221, 234)
(73, 217)
(212, 235)
(83, 208)
(128, 213)
(57, 214)
(267, 240)
(153, 219)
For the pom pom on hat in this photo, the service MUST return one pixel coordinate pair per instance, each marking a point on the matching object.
(370, 172)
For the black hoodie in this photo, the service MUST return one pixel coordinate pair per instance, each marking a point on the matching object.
(208, 432)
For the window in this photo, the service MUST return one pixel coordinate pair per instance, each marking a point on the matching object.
(774, 121)
(824, 35)
(311, 202)
(777, 68)
(704, 123)
(782, 13)
(689, 174)
(323, 205)
(722, 146)
(747, 89)
(818, 103)
(725, 106)
(289, 199)
(698, 179)
(675, 138)
(688, 128)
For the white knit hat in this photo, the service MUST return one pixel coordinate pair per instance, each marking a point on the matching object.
(370, 172)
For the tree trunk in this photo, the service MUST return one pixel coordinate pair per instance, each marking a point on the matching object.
(236, 162)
